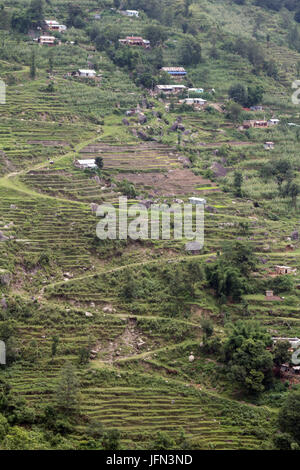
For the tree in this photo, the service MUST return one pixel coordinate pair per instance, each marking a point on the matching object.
(84, 355)
(281, 170)
(246, 96)
(163, 441)
(226, 280)
(33, 66)
(20, 22)
(106, 36)
(270, 4)
(196, 274)
(255, 94)
(229, 275)
(32, 17)
(129, 289)
(189, 51)
(237, 183)
(282, 284)
(250, 364)
(54, 345)
(18, 438)
(293, 190)
(234, 111)
(75, 16)
(111, 440)
(156, 34)
(99, 162)
(289, 415)
(281, 353)
(207, 327)
(238, 93)
(240, 255)
(36, 12)
(67, 391)
(50, 61)
(297, 16)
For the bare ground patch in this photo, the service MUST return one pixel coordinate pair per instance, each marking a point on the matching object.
(174, 182)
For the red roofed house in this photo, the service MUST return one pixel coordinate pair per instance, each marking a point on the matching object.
(135, 41)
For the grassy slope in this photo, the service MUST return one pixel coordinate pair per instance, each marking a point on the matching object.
(153, 386)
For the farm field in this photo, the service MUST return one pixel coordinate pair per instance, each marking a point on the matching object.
(161, 346)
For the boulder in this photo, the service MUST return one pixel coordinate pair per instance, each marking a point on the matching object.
(142, 118)
(142, 135)
(3, 238)
(109, 309)
(218, 169)
(174, 127)
(5, 277)
(193, 246)
(211, 209)
(94, 207)
(295, 235)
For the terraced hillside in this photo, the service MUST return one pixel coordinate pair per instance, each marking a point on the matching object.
(141, 330)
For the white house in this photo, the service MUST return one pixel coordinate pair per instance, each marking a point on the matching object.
(273, 122)
(53, 25)
(197, 101)
(132, 13)
(196, 90)
(170, 88)
(47, 40)
(83, 164)
(294, 342)
(88, 73)
(197, 200)
(269, 145)
(175, 71)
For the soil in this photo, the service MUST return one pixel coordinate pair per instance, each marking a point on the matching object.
(174, 182)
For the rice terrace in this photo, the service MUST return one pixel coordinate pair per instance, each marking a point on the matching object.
(149, 343)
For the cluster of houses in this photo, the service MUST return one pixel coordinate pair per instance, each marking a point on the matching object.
(176, 72)
(285, 270)
(260, 124)
(53, 25)
(195, 102)
(176, 89)
(135, 41)
(50, 25)
(294, 345)
(130, 13)
(89, 163)
(85, 73)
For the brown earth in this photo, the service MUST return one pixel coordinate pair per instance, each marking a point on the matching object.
(174, 182)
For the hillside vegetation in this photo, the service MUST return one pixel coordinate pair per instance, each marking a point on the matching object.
(141, 344)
